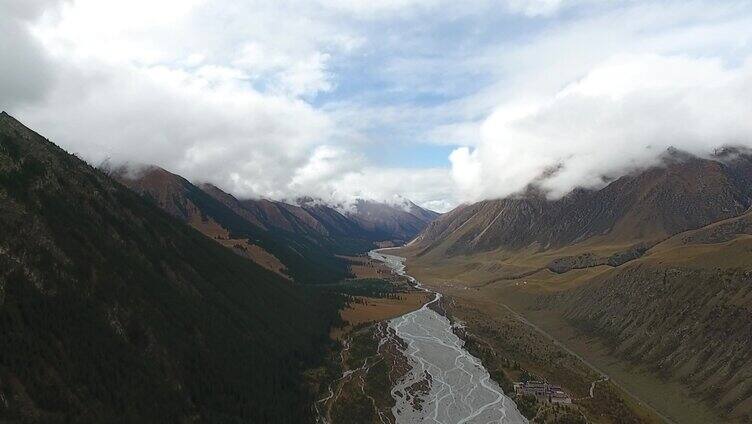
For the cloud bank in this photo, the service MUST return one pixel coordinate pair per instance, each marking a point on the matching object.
(622, 115)
(299, 98)
(608, 93)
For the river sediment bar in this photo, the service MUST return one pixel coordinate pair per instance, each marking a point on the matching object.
(446, 384)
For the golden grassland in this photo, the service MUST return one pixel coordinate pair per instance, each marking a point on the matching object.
(365, 267)
(370, 309)
(216, 232)
(492, 284)
(367, 310)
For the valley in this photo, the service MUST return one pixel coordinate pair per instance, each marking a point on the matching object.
(455, 387)
(570, 305)
(431, 378)
(401, 355)
(306, 241)
(375, 212)
(648, 284)
(150, 299)
(631, 301)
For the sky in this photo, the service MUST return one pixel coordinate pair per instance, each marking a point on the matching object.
(442, 102)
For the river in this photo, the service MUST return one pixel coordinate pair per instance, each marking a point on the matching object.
(445, 384)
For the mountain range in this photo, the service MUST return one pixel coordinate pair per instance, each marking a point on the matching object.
(112, 309)
(685, 193)
(304, 242)
(655, 266)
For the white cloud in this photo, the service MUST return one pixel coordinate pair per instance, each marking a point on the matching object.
(366, 9)
(24, 69)
(282, 99)
(205, 126)
(341, 177)
(327, 164)
(462, 133)
(622, 115)
(131, 85)
(606, 92)
(175, 106)
(294, 75)
(431, 188)
(535, 7)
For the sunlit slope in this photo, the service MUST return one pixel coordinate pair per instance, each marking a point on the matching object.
(646, 207)
(655, 266)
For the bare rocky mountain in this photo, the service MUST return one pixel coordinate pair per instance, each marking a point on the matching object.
(399, 222)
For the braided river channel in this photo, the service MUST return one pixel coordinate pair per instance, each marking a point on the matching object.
(457, 388)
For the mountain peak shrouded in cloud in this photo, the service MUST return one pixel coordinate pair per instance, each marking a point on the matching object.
(624, 114)
(287, 100)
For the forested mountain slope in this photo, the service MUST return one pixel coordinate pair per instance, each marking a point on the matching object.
(304, 241)
(113, 311)
(307, 257)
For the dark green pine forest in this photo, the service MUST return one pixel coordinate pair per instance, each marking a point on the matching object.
(113, 311)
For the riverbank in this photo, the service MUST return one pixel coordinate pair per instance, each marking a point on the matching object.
(445, 384)
(359, 375)
(544, 349)
(362, 373)
(391, 295)
(412, 368)
(365, 310)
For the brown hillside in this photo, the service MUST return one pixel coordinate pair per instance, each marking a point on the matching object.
(684, 194)
(171, 193)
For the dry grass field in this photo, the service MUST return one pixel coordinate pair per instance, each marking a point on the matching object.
(365, 267)
(240, 246)
(485, 292)
(367, 310)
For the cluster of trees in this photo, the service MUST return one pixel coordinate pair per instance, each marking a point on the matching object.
(369, 287)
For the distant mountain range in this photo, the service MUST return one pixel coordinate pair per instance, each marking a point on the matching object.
(304, 242)
(398, 223)
(656, 265)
